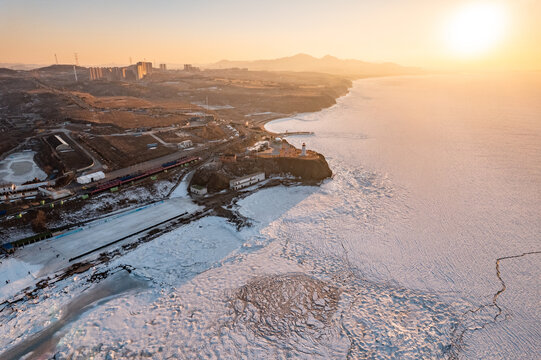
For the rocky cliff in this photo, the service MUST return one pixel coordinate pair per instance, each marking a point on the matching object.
(313, 168)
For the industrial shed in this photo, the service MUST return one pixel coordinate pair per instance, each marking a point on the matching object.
(86, 179)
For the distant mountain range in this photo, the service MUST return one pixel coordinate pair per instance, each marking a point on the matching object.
(20, 66)
(327, 64)
(300, 63)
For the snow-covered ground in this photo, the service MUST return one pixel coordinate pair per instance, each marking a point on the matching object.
(47, 257)
(15, 275)
(394, 257)
(19, 168)
(101, 205)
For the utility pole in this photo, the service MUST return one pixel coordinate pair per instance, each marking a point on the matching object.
(74, 66)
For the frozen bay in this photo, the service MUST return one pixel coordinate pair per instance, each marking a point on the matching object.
(435, 178)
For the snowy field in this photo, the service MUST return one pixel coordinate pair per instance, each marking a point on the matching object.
(19, 168)
(435, 178)
(52, 255)
(100, 205)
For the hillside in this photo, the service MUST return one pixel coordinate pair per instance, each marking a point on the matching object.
(328, 64)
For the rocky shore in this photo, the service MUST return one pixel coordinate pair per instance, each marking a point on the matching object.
(309, 169)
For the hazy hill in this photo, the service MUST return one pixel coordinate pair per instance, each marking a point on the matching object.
(5, 71)
(327, 64)
(19, 66)
(60, 68)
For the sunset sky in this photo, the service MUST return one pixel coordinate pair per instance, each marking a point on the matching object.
(409, 32)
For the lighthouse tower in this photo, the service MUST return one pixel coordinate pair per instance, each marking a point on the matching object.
(303, 151)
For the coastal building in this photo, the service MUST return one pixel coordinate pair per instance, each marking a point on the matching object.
(247, 180)
(33, 186)
(143, 69)
(191, 68)
(29, 194)
(86, 179)
(280, 148)
(106, 73)
(126, 73)
(7, 188)
(163, 67)
(259, 146)
(96, 73)
(113, 74)
(129, 73)
(198, 190)
(55, 194)
(185, 144)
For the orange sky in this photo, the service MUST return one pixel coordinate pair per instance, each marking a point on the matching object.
(409, 32)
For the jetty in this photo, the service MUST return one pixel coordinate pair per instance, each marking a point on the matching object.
(292, 133)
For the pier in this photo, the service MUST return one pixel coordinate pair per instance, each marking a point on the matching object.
(292, 133)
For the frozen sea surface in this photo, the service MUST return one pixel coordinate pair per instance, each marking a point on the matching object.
(435, 178)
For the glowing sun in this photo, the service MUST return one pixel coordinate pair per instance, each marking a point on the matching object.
(476, 28)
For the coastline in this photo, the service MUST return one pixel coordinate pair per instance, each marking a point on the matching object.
(81, 224)
(88, 269)
(356, 232)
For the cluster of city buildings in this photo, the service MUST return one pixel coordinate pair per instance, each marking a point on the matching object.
(127, 73)
(131, 73)
(191, 68)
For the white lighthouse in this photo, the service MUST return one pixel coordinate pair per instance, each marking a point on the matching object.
(303, 151)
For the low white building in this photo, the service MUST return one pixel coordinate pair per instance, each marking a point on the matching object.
(198, 190)
(55, 194)
(7, 188)
(29, 194)
(260, 145)
(87, 179)
(185, 144)
(33, 186)
(247, 180)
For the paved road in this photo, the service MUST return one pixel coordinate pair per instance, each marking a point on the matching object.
(97, 165)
